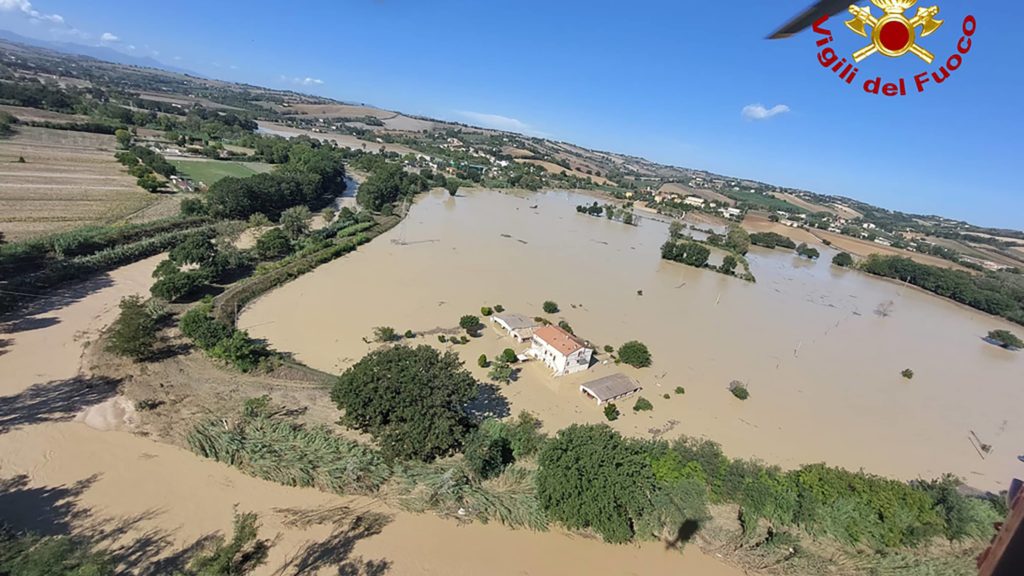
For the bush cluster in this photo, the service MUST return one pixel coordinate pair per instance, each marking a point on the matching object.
(222, 341)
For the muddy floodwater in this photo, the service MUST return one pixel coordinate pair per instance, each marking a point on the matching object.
(822, 365)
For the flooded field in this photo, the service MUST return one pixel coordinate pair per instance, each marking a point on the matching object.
(823, 367)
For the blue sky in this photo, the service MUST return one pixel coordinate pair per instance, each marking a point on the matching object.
(666, 80)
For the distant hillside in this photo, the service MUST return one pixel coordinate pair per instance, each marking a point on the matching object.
(99, 52)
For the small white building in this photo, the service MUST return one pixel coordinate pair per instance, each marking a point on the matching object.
(560, 351)
(518, 326)
(731, 212)
(694, 201)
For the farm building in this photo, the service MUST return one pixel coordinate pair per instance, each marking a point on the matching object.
(610, 388)
(560, 351)
(518, 326)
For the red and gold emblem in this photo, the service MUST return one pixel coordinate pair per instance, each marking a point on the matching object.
(893, 34)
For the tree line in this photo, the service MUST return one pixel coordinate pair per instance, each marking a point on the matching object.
(997, 293)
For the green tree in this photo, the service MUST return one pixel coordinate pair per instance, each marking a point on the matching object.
(202, 328)
(550, 307)
(482, 361)
(194, 250)
(501, 372)
(328, 215)
(411, 400)
(486, 311)
(611, 412)
(675, 230)
(452, 186)
(807, 252)
(273, 244)
(133, 334)
(565, 326)
(193, 207)
(124, 138)
(739, 390)
(843, 260)
(908, 374)
(737, 239)
(509, 356)
(469, 323)
(486, 454)
(591, 478)
(642, 405)
(385, 334)
(149, 183)
(728, 264)
(295, 221)
(1006, 339)
(635, 354)
(178, 285)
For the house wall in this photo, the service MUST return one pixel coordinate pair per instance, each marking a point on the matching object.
(559, 363)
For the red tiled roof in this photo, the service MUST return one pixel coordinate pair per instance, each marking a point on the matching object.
(559, 339)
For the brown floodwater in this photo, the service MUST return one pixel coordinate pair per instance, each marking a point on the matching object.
(823, 368)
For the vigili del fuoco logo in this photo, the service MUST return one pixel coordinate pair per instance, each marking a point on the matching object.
(895, 35)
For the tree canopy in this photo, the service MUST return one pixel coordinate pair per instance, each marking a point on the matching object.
(411, 400)
(686, 252)
(591, 478)
(843, 260)
(635, 354)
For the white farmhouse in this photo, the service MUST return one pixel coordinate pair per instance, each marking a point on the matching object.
(694, 201)
(560, 351)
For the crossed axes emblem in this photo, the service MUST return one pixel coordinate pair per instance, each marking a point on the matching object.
(894, 34)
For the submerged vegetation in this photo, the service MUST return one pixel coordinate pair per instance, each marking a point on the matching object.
(1005, 339)
(997, 293)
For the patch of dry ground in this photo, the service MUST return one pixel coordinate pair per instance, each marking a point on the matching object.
(673, 188)
(801, 203)
(68, 179)
(556, 169)
(34, 114)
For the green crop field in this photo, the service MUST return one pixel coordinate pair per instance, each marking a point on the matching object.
(209, 171)
(762, 201)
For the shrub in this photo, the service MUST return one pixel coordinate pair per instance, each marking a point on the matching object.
(482, 361)
(611, 412)
(908, 374)
(642, 405)
(295, 221)
(843, 260)
(442, 338)
(499, 308)
(1006, 339)
(133, 334)
(486, 311)
(409, 334)
(385, 334)
(469, 323)
(608, 348)
(565, 326)
(635, 354)
(258, 220)
(550, 307)
(680, 390)
(203, 329)
(178, 285)
(666, 396)
(242, 352)
(501, 372)
(807, 252)
(509, 356)
(273, 244)
(193, 207)
(463, 340)
(739, 390)
(328, 215)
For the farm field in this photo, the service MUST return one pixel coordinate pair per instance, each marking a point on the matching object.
(210, 171)
(556, 169)
(711, 195)
(808, 206)
(69, 179)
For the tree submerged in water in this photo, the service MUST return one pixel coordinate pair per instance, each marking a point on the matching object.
(1005, 339)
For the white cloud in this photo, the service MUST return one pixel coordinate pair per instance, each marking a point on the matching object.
(307, 81)
(498, 122)
(25, 7)
(107, 37)
(759, 112)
